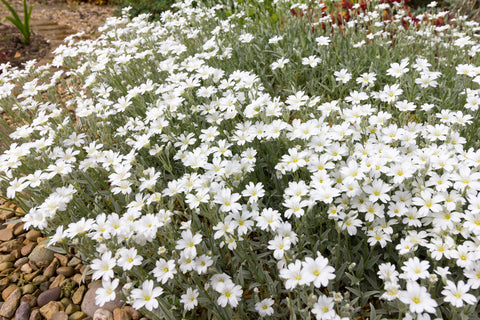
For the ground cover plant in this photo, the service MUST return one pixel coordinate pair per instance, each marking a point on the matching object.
(281, 159)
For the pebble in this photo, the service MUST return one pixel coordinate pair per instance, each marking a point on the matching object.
(35, 315)
(102, 314)
(66, 271)
(10, 246)
(27, 249)
(57, 282)
(26, 268)
(59, 315)
(62, 258)
(4, 283)
(29, 277)
(134, 314)
(30, 299)
(77, 278)
(74, 262)
(66, 302)
(20, 262)
(11, 304)
(48, 309)
(18, 229)
(7, 258)
(23, 311)
(72, 308)
(6, 234)
(28, 288)
(50, 270)
(78, 295)
(49, 296)
(8, 290)
(120, 314)
(5, 265)
(32, 235)
(77, 315)
(40, 254)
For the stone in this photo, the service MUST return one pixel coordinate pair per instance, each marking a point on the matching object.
(8, 290)
(5, 265)
(120, 314)
(44, 285)
(50, 270)
(7, 258)
(10, 246)
(66, 302)
(32, 235)
(89, 305)
(102, 314)
(78, 295)
(29, 277)
(57, 282)
(28, 288)
(40, 254)
(72, 308)
(4, 282)
(66, 271)
(78, 315)
(26, 268)
(6, 214)
(18, 229)
(11, 304)
(6, 234)
(62, 258)
(59, 315)
(27, 249)
(134, 314)
(30, 299)
(77, 278)
(49, 296)
(23, 311)
(14, 277)
(20, 262)
(47, 310)
(74, 262)
(35, 315)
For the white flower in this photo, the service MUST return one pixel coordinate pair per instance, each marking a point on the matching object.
(417, 298)
(458, 294)
(107, 292)
(264, 307)
(146, 296)
(229, 294)
(317, 271)
(189, 299)
(164, 270)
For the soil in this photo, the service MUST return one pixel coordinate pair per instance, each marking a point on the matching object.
(14, 51)
(52, 21)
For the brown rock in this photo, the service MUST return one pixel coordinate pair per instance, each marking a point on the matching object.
(77, 278)
(134, 314)
(50, 270)
(11, 304)
(7, 258)
(74, 262)
(72, 308)
(59, 315)
(35, 315)
(58, 281)
(6, 214)
(10, 246)
(102, 314)
(62, 258)
(30, 299)
(29, 277)
(5, 265)
(32, 235)
(27, 249)
(66, 302)
(28, 288)
(77, 316)
(20, 262)
(8, 291)
(66, 271)
(14, 277)
(119, 314)
(23, 312)
(4, 283)
(26, 268)
(48, 309)
(78, 295)
(18, 229)
(49, 296)
(6, 234)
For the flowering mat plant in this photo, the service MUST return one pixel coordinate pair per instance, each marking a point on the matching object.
(260, 158)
